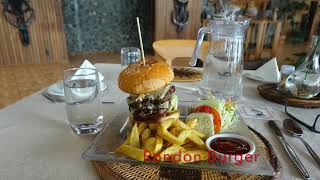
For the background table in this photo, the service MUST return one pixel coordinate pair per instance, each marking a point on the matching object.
(37, 142)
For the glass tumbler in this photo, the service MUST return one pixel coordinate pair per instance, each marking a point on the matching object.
(130, 55)
(83, 102)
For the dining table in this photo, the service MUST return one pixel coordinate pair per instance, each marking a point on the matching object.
(36, 141)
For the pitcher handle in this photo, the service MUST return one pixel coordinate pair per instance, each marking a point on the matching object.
(202, 31)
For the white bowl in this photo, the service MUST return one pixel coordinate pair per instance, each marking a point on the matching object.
(229, 157)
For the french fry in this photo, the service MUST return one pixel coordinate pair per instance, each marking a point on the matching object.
(149, 144)
(199, 134)
(145, 134)
(198, 141)
(134, 137)
(184, 135)
(141, 127)
(158, 144)
(175, 131)
(178, 123)
(165, 134)
(132, 152)
(197, 155)
(169, 151)
(153, 126)
(192, 123)
(190, 146)
(167, 123)
(127, 139)
(182, 125)
(169, 135)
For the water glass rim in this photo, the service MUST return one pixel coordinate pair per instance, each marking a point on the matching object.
(76, 69)
(130, 48)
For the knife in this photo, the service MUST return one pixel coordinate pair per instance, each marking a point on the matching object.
(48, 97)
(290, 152)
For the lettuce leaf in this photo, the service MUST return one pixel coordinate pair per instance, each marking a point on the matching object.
(173, 105)
(218, 105)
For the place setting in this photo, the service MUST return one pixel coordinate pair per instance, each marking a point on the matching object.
(166, 133)
(163, 124)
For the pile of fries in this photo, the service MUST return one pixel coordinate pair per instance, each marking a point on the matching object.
(171, 140)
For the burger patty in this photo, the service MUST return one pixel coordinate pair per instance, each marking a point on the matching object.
(146, 102)
(154, 116)
(138, 104)
(151, 109)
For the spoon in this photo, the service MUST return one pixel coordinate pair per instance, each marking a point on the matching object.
(294, 130)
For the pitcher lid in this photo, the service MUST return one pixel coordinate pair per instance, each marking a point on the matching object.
(229, 15)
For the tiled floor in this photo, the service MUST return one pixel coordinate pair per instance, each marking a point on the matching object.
(18, 81)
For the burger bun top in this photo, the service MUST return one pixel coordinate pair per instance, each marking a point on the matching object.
(143, 79)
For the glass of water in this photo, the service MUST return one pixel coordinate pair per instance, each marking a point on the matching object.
(83, 102)
(130, 55)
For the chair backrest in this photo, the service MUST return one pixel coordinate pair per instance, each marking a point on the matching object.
(173, 48)
(257, 33)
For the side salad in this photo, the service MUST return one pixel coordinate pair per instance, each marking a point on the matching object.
(213, 115)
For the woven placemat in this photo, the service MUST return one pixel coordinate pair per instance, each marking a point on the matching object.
(120, 171)
(269, 92)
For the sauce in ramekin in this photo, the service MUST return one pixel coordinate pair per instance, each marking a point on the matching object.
(230, 145)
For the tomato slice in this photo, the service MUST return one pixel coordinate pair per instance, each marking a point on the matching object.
(215, 113)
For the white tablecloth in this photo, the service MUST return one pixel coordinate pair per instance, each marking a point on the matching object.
(36, 141)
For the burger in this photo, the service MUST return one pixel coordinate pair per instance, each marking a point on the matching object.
(151, 96)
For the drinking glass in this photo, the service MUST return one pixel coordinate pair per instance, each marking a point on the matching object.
(130, 55)
(83, 102)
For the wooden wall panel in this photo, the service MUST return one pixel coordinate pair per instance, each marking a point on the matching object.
(165, 29)
(48, 43)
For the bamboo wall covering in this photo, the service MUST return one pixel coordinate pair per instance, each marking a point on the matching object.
(47, 37)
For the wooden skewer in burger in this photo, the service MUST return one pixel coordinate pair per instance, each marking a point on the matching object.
(151, 94)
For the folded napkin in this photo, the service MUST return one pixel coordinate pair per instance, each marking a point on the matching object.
(269, 72)
(87, 64)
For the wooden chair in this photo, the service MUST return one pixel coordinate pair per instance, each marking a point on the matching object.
(173, 48)
(259, 47)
